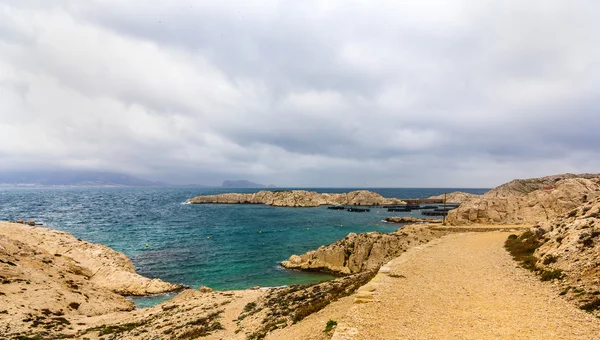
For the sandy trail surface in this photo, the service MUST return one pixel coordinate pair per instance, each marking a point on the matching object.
(462, 286)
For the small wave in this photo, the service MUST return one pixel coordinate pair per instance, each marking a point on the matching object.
(186, 203)
(274, 287)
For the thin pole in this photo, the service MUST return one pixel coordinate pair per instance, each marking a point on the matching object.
(445, 212)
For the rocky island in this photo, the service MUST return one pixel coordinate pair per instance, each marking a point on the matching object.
(298, 198)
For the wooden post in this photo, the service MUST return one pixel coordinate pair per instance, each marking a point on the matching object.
(444, 215)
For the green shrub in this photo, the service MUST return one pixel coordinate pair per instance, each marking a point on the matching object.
(548, 275)
(550, 259)
(330, 325)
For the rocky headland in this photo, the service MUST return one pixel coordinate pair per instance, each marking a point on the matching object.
(297, 198)
(357, 253)
(49, 276)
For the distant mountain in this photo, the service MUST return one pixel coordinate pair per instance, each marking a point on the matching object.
(73, 178)
(241, 184)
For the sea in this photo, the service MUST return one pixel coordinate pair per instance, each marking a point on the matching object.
(225, 247)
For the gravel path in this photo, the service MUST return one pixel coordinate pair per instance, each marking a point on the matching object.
(462, 286)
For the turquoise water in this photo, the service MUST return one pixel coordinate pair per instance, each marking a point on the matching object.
(221, 246)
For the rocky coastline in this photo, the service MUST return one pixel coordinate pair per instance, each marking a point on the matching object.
(298, 198)
(56, 286)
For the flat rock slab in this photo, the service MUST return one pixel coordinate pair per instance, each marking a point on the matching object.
(463, 286)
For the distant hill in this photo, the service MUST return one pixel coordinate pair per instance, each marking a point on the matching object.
(241, 184)
(73, 178)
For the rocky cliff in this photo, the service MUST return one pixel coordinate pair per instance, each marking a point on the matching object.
(527, 201)
(361, 252)
(297, 198)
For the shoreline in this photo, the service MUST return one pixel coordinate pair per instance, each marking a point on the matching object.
(56, 262)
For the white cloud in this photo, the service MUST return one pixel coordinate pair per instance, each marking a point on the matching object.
(313, 93)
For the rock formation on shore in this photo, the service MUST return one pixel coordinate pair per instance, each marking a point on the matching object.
(526, 201)
(455, 197)
(105, 267)
(48, 276)
(361, 252)
(408, 219)
(297, 198)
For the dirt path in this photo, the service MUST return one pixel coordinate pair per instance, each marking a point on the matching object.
(463, 286)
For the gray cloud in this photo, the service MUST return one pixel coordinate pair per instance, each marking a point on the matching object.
(428, 93)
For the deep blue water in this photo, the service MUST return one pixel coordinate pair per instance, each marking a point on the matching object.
(221, 246)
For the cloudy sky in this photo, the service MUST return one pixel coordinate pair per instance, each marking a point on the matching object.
(302, 93)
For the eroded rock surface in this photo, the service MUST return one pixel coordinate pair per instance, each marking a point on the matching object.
(103, 266)
(571, 244)
(297, 198)
(361, 252)
(527, 201)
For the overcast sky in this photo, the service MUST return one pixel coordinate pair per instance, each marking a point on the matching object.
(302, 93)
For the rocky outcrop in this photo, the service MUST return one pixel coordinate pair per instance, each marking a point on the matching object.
(571, 244)
(101, 265)
(521, 187)
(455, 197)
(527, 201)
(297, 198)
(361, 252)
(407, 219)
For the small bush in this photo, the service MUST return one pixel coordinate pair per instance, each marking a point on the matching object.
(591, 306)
(559, 239)
(573, 213)
(522, 249)
(250, 306)
(331, 324)
(550, 259)
(548, 275)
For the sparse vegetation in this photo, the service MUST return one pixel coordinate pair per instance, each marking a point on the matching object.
(550, 259)
(522, 249)
(250, 306)
(292, 304)
(548, 275)
(331, 324)
(591, 306)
